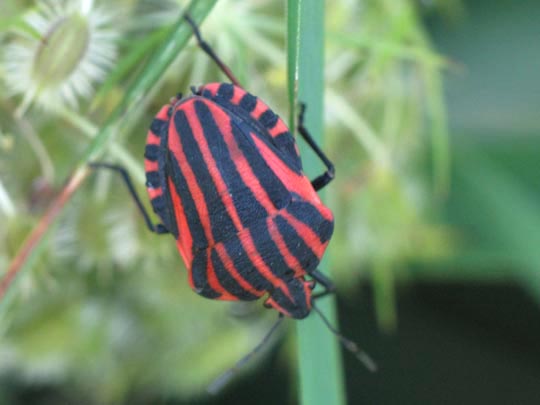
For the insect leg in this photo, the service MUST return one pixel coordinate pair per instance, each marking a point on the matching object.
(224, 378)
(329, 287)
(325, 178)
(348, 344)
(158, 228)
(210, 52)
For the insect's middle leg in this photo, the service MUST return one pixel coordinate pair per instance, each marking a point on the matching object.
(156, 228)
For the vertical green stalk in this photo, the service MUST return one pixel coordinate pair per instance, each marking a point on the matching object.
(321, 373)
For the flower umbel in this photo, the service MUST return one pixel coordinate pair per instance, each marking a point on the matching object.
(77, 45)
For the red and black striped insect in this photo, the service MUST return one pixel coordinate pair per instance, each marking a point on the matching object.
(225, 178)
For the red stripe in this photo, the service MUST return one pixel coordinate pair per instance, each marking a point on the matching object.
(246, 239)
(325, 212)
(154, 192)
(152, 139)
(209, 160)
(214, 282)
(291, 261)
(163, 114)
(260, 108)
(297, 183)
(307, 234)
(242, 165)
(211, 87)
(198, 197)
(150, 166)
(237, 95)
(231, 269)
(272, 302)
(279, 128)
(185, 240)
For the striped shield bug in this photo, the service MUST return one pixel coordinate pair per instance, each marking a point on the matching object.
(225, 178)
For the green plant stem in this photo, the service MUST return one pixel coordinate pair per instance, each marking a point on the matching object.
(321, 374)
(162, 58)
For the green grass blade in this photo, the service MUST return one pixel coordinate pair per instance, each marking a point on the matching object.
(162, 58)
(321, 373)
(137, 53)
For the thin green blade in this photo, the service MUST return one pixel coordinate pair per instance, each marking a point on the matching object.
(321, 374)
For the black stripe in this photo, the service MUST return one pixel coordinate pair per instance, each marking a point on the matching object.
(228, 282)
(296, 244)
(268, 119)
(159, 127)
(269, 251)
(199, 268)
(248, 102)
(285, 142)
(161, 205)
(243, 263)
(309, 215)
(151, 152)
(158, 204)
(241, 117)
(247, 206)
(220, 222)
(298, 307)
(249, 125)
(225, 91)
(192, 216)
(277, 192)
(152, 179)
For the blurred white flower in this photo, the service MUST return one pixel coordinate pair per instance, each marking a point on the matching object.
(75, 48)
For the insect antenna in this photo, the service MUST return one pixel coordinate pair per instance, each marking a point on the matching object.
(348, 344)
(224, 378)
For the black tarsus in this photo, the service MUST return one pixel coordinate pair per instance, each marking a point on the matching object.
(158, 228)
(224, 378)
(210, 52)
(325, 178)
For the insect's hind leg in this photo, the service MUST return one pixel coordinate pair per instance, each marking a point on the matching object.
(325, 178)
(158, 228)
(205, 46)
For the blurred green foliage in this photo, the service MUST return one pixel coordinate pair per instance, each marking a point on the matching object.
(106, 304)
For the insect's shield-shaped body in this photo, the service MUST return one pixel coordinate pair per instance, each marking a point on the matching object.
(225, 177)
